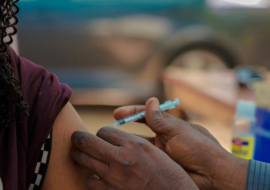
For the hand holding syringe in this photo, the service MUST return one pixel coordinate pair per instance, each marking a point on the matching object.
(163, 107)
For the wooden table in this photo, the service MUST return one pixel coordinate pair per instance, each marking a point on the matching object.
(209, 95)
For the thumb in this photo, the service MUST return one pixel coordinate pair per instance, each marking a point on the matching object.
(159, 122)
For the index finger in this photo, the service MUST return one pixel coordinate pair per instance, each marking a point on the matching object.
(126, 111)
(118, 137)
(92, 145)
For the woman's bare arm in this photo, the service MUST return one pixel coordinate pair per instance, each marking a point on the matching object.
(63, 172)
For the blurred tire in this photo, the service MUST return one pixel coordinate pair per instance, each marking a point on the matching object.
(203, 57)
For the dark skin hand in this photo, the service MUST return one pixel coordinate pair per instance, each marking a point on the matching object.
(193, 147)
(124, 161)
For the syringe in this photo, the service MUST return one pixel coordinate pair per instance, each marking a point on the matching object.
(163, 107)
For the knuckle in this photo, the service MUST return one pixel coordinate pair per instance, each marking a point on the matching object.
(182, 125)
(163, 125)
(140, 143)
(126, 163)
(181, 122)
(200, 128)
(143, 144)
(137, 143)
(122, 161)
(157, 119)
(167, 115)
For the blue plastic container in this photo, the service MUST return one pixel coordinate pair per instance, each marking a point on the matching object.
(262, 147)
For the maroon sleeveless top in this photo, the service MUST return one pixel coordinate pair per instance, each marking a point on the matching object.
(20, 145)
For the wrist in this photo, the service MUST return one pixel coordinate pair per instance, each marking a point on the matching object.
(230, 173)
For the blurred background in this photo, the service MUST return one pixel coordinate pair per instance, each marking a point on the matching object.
(118, 52)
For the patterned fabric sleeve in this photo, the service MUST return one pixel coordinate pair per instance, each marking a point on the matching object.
(258, 176)
(42, 164)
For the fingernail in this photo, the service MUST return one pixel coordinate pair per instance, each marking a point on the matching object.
(155, 104)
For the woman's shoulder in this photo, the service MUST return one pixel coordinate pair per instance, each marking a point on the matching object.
(41, 89)
(45, 96)
(23, 68)
(50, 111)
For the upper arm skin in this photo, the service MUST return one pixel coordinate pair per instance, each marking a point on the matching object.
(63, 172)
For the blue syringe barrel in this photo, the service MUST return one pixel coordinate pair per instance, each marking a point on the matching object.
(163, 107)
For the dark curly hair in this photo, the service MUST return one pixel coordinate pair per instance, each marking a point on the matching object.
(12, 105)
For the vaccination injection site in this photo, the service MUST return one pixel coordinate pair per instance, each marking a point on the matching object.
(134, 94)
